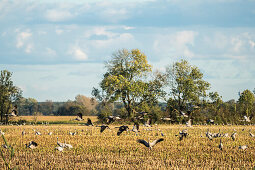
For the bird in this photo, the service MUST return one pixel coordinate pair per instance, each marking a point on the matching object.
(251, 134)
(23, 132)
(111, 119)
(37, 132)
(188, 123)
(5, 146)
(233, 136)
(183, 133)
(60, 144)
(72, 133)
(243, 147)
(79, 117)
(31, 145)
(13, 113)
(122, 129)
(103, 127)
(59, 148)
(69, 146)
(1, 132)
(148, 123)
(64, 145)
(208, 134)
(149, 144)
(89, 123)
(225, 135)
(221, 145)
(210, 121)
(135, 128)
(166, 119)
(183, 114)
(246, 119)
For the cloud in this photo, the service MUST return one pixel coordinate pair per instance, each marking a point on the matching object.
(59, 31)
(252, 43)
(58, 15)
(128, 28)
(22, 37)
(51, 52)
(29, 47)
(175, 44)
(78, 54)
(99, 31)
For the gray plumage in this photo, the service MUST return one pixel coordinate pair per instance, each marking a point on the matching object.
(103, 127)
(149, 144)
(233, 136)
(31, 145)
(220, 145)
(243, 147)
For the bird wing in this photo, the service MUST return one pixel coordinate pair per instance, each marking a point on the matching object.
(136, 125)
(119, 132)
(89, 122)
(143, 142)
(102, 128)
(156, 141)
(33, 143)
(149, 121)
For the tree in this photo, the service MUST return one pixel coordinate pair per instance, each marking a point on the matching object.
(246, 101)
(46, 107)
(186, 84)
(9, 94)
(216, 100)
(89, 103)
(72, 108)
(126, 80)
(32, 105)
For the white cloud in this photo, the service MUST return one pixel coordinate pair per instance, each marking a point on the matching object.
(59, 31)
(236, 44)
(175, 44)
(51, 52)
(78, 54)
(28, 48)
(56, 15)
(99, 31)
(22, 37)
(252, 43)
(128, 28)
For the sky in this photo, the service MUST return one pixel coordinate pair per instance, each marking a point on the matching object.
(56, 49)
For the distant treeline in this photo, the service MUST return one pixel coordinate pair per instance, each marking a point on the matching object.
(130, 87)
(81, 104)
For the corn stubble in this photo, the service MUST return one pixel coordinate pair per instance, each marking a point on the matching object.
(95, 150)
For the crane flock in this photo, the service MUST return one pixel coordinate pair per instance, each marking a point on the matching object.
(137, 130)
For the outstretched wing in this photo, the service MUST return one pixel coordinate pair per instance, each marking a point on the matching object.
(143, 142)
(122, 129)
(119, 132)
(89, 122)
(103, 128)
(137, 126)
(148, 121)
(33, 143)
(79, 115)
(156, 141)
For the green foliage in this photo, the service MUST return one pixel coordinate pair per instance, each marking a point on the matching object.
(246, 101)
(105, 110)
(9, 94)
(125, 80)
(72, 108)
(186, 84)
(8, 155)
